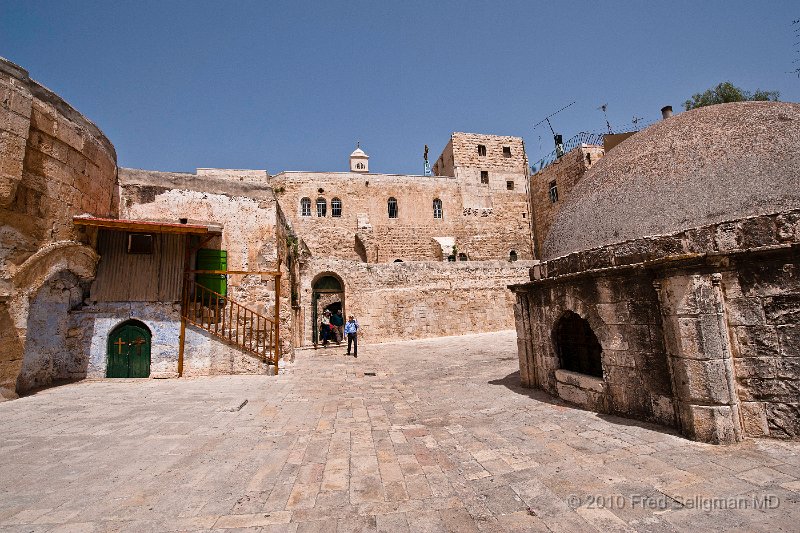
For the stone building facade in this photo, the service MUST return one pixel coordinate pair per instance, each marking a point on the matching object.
(668, 290)
(392, 235)
(54, 163)
(551, 187)
(94, 258)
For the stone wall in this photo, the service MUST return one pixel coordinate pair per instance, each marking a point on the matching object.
(566, 172)
(246, 211)
(763, 310)
(204, 354)
(485, 232)
(622, 311)
(726, 297)
(397, 301)
(54, 164)
(46, 359)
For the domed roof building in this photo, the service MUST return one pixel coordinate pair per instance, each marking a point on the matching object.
(701, 167)
(670, 286)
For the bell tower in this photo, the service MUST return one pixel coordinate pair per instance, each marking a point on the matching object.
(359, 160)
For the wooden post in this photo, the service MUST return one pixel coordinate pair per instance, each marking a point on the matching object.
(180, 349)
(277, 352)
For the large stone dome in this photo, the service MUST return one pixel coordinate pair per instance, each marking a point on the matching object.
(708, 165)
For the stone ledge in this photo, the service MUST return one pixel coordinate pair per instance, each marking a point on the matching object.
(782, 234)
(581, 381)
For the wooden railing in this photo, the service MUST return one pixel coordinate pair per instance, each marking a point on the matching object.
(229, 320)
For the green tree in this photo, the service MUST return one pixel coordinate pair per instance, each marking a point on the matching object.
(728, 92)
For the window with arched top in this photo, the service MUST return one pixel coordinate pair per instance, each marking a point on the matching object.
(336, 207)
(437, 208)
(305, 207)
(462, 257)
(360, 166)
(322, 207)
(577, 346)
(392, 207)
(512, 255)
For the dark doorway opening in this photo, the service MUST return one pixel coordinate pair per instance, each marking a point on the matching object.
(577, 346)
(327, 295)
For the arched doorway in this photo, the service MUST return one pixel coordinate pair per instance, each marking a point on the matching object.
(129, 351)
(577, 346)
(327, 294)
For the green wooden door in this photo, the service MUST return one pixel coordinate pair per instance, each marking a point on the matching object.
(129, 352)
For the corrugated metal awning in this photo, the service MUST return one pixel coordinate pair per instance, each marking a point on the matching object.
(145, 225)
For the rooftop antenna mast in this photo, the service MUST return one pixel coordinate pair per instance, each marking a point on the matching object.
(636, 121)
(557, 138)
(603, 108)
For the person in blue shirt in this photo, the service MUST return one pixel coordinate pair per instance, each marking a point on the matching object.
(351, 330)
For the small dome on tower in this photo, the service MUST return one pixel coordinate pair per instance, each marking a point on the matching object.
(359, 160)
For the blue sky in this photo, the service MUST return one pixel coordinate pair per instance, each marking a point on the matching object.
(293, 85)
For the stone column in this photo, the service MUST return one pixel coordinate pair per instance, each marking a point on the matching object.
(522, 320)
(700, 357)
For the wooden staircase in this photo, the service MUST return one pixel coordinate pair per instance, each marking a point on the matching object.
(230, 321)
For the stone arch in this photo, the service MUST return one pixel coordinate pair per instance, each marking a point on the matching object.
(327, 289)
(46, 287)
(64, 255)
(577, 346)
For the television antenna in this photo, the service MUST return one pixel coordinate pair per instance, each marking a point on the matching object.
(557, 138)
(603, 108)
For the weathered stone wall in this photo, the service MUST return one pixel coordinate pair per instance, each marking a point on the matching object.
(727, 296)
(46, 357)
(623, 312)
(54, 164)
(413, 300)
(700, 359)
(566, 172)
(483, 233)
(763, 311)
(203, 354)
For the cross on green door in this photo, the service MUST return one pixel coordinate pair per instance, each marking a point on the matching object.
(129, 352)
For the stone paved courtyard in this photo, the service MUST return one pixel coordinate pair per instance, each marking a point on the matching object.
(441, 438)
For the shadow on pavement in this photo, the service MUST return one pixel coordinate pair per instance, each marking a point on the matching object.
(512, 382)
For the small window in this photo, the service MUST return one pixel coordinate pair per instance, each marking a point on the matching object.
(140, 243)
(322, 207)
(398, 260)
(336, 207)
(437, 208)
(510, 185)
(305, 207)
(360, 166)
(462, 256)
(506, 151)
(485, 177)
(482, 149)
(553, 192)
(512, 255)
(392, 206)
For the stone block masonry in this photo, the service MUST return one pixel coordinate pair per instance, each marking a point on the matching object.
(698, 329)
(54, 164)
(419, 299)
